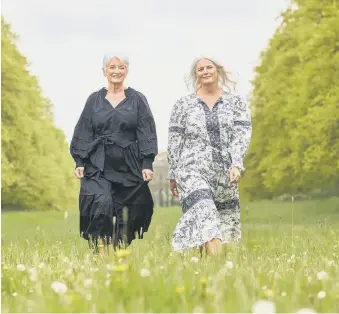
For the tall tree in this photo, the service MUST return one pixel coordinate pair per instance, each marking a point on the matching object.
(295, 103)
(37, 170)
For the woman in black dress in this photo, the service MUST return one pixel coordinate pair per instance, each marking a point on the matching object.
(114, 145)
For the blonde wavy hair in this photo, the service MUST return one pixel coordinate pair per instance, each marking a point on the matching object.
(223, 76)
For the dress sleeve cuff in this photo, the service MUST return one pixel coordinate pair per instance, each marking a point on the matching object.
(79, 162)
(147, 163)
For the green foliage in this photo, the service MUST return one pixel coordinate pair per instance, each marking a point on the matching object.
(36, 165)
(295, 101)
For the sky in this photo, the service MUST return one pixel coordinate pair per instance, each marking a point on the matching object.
(64, 42)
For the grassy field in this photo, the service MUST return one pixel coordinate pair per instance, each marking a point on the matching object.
(288, 256)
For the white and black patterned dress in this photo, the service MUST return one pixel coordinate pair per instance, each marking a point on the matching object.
(203, 145)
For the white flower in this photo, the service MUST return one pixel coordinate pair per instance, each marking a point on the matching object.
(65, 215)
(88, 283)
(283, 294)
(41, 265)
(162, 267)
(59, 287)
(14, 294)
(109, 267)
(66, 260)
(322, 275)
(263, 307)
(321, 294)
(306, 311)
(331, 263)
(21, 267)
(309, 278)
(33, 274)
(264, 287)
(145, 272)
(197, 273)
(107, 283)
(229, 264)
(194, 259)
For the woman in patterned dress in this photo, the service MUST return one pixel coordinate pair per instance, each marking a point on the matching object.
(209, 135)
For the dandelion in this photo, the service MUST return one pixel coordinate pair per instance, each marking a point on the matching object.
(180, 289)
(283, 294)
(123, 253)
(88, 283)
(263, 307)
(145, 272)
(194, 259)
(33, 274)
(331, 263)
(14, 294)
(306, 311)
(21, 267)
(322, 275)
(109, 267)
(321, 294)
(269, 293)
(59, 287)
(229, 264)
(121, 268)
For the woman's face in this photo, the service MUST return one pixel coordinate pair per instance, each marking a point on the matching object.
(206, 72)
(116, 71)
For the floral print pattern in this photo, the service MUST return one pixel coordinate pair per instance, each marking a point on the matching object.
(203, 145)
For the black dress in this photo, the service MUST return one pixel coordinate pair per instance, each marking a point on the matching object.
(114, 145)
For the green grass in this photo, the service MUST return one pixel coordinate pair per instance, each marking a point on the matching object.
(283, 249)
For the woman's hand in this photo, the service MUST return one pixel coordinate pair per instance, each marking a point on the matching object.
(79, 172)
(173, 188)
(234, 175)
(147, 174)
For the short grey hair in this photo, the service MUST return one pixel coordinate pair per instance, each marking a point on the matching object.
(109, 56)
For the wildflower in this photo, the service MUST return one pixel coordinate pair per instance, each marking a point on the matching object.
(283, 294)
(194, 259)
(269, 293)
(121, 268)
(322, 275)
(65, 215)
(229, 264)
(59, 287)
(41, 265)
(263, 307)
(21, 267)
(88, 283)
(107, 283)
(145, 272)
(306, 311)
(331, 263)
(123, 253)
(33, 274)
(14, 294)
(321, 295)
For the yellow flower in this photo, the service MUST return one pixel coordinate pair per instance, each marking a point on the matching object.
(123, 253)
(121, 268)
(269, 293)
(180, 289)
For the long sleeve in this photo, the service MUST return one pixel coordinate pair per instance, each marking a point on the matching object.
(83, 134)
(176, 136)
(146, 133)
(242, 132)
